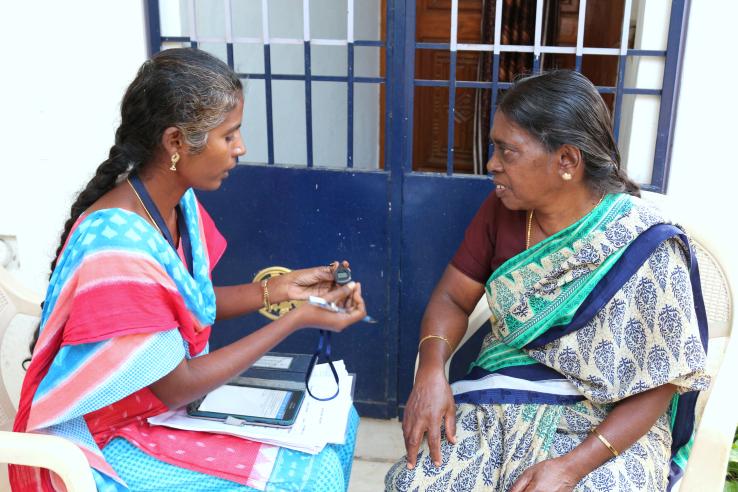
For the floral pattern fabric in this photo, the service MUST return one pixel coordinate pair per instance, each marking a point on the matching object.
(646, 335)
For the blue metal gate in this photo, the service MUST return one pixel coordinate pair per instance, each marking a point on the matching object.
(399, 228)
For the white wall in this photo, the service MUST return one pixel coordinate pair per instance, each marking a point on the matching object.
(62, 80)
(65, 65)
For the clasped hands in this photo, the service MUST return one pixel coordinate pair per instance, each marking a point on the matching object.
(319, 281)
(431, 403)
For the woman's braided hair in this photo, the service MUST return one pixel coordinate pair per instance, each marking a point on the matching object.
(184, 88)
(563, 107)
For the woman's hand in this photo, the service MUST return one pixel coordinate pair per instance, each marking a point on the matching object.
(429, 404)
(298, 285)
(553, 475)
(348, 296)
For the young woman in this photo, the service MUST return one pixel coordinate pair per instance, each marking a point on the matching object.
(125, 325)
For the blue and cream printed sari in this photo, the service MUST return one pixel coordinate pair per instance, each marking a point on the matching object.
(605, 309)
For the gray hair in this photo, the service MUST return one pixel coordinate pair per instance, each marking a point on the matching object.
(563, 107)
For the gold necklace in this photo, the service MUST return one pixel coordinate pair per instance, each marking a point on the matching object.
(144, 206)
(530, 221)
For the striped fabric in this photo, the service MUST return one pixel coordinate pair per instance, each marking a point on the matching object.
(121, 311)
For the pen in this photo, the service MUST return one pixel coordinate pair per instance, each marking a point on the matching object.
(332, 306)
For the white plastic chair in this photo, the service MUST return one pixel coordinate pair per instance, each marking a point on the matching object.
(717, 415)
(19, 313)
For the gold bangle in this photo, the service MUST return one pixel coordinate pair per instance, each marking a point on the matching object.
(435, 336)
(605, 442)
(265, 294)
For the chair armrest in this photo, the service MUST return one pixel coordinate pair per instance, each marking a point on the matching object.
(477, 318)
(51, 452)
(708, 461)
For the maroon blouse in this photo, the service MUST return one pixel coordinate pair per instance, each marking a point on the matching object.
(494, 235)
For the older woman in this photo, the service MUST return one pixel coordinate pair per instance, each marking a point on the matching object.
(589, 376)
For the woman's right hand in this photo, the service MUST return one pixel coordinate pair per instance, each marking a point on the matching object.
(347, 296)
(430, 403)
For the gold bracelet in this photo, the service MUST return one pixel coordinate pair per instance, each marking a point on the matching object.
(435, 336)
(605, 442)
(265, 294)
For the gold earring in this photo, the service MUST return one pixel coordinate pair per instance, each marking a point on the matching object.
(566, 177)
(175, 160)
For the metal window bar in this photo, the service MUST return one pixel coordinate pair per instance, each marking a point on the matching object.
(452, 88)
(308, 83)
(672, 68)
(621, 68)
(156, 40)
(580, 35)
(350, 87)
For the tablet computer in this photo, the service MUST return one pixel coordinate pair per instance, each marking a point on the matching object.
(239, 403)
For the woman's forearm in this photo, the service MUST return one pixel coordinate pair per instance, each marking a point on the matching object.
(237, 300)
(195, 377)
(446, 316)
(627, 422)
(443, 318)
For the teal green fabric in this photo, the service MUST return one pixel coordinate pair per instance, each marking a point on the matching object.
(546, 284)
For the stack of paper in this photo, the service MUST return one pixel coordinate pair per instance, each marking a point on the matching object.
(318, 422)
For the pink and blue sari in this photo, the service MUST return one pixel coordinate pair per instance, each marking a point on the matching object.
(122, 311)
(605, 309)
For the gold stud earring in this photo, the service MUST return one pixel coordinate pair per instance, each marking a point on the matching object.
(566, 177)
(175, 160)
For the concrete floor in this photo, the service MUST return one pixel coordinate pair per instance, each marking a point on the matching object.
(379, 444)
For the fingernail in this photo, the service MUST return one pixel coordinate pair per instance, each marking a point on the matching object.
(351, 285)
(409, 466)
(437, 464)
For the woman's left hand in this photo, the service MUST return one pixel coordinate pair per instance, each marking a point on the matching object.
(298, 285)
(553, 475)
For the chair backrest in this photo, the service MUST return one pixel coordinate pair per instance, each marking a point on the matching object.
(20, 310)
(19, 313)
(718, 305)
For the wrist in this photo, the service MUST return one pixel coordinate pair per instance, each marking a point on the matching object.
(577, 462)
(294, 320)
(432, 366)
(275, 289)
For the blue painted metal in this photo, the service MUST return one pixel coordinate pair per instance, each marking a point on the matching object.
(153, 27)
(400, 54)
(170, 39)
(448, 203)
(314, 216)
(370, 42)
(229, 55)
(308, 106)
(451, 114)
(433, 46)
(350, 109)
(646, 53)
(670, 91)
(619, 96)
(493, 97)
(269, 104)
(315, 78)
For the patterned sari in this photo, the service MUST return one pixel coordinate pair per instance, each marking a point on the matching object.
(605, 309)
(122, 311)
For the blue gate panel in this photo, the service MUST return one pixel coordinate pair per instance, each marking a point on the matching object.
(298, 218)
(436, 212)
